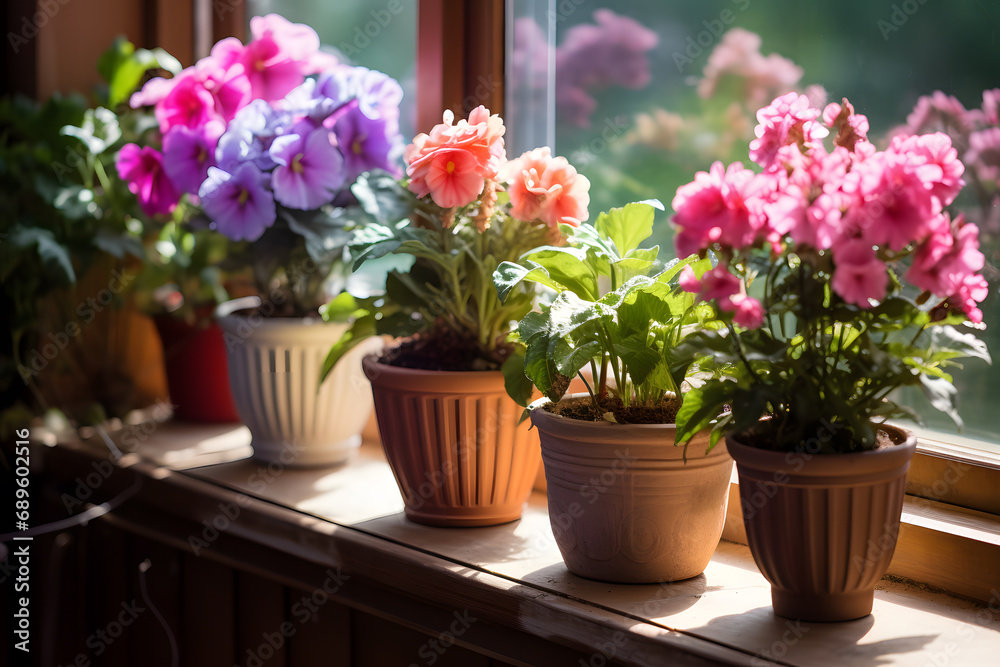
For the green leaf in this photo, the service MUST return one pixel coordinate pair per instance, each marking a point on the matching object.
(628, 226)
(509, 275)
(638, 356)
(566, 266)
(325, 232)
(516, 383)
(701, 405)
(342, 308)
(541, 369)
(531, 325)
(571, 357)
(118, 245)
(54, 255)
(964, 344)
(362, 329)
(942, 395)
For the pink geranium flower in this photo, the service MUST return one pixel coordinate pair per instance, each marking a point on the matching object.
(713, 209)
(547, 188)
(789, 119)
(859, 275)
(970, 294)
(142, 170)
(945, 260)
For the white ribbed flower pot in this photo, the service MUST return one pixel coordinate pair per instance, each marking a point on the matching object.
(274, 369)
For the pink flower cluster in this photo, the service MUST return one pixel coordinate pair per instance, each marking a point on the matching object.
(868, 208)
(459, 163)
(738, 55)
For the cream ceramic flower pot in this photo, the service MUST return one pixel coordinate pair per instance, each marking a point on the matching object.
(623, 504)
(274, 370)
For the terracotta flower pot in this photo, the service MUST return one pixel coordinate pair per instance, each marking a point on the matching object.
(822, 527)
(453, 443)
(197, 372)
(624, 506)
(274, 370)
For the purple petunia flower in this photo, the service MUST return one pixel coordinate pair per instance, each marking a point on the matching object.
(188, 153)
(249, 136)
(367, 144)
(239, 203)
(378, 94)
(310, 169)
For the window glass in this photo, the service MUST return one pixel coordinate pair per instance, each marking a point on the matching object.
(380, 35)
(641, 94)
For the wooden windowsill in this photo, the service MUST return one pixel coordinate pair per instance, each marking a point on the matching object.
(350, 517)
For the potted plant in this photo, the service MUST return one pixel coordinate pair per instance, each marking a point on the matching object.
(70, 258)
(266, 152)
(624, 503)
(859, 283)
(450, 431)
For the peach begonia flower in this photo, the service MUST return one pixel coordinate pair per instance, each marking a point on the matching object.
(454, 161)
(546, 188)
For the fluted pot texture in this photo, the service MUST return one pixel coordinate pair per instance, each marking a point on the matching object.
(453, 442)
(623, 504)
(822, 527)
(274, 371)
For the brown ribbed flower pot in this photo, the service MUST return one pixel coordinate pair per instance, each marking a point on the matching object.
(624, 506)
(822, 527)
(453, 443)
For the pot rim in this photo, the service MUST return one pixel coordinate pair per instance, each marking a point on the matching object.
(227, 314)
(817, 464)
(536, 406)
(410, 380)
(376, 359)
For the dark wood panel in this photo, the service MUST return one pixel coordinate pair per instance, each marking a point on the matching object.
(321, 637)
(377, 641)
(154, 618)
(208, 631)
(262, 627)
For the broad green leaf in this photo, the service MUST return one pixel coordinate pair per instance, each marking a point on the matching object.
(627, 226)
(531, 325)
(341, 309)
(542, 371)
(965, 344)
(569, 312)
(518, 385)
(566, 266)
(118, 245)
(362, 329)
(641, 309)
(638, 356)
(53, 255)
(509, 275)
(701, 405)
(570, 358)
(942, 395)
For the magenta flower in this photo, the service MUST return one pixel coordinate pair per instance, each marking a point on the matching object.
(748, 312)
(142, 169)
(945, 260)
(279, 56)
(713, 209)
(239, 203)
(970, 294)
(187, 154)
(859, 275)
(188, 103)
(789, 120)
(310, 169)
